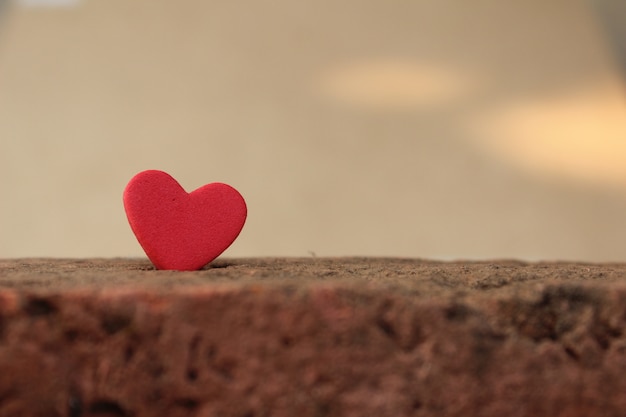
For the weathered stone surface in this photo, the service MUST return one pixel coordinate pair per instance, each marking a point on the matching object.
(312, 338)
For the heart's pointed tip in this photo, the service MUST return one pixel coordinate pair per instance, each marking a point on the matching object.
(180, 269)
(180, 266)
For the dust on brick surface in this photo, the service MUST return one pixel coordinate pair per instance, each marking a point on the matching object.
(411, 276)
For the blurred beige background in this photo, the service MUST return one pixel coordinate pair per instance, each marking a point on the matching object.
(437, 129)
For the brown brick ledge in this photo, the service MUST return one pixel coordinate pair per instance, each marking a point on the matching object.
(316, 337)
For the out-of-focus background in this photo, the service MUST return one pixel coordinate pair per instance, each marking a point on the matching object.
(437, 129)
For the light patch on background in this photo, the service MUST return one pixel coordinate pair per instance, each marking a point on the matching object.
(580, 137)
(381, 84)
(47, 3)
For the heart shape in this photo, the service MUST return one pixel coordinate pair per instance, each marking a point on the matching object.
(179, 230)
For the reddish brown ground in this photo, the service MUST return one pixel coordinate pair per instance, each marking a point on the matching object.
(312, 338)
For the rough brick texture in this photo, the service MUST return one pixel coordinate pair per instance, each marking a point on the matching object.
(312, 338)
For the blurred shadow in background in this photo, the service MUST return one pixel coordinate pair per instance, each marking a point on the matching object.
(430, 129)
(612, 14)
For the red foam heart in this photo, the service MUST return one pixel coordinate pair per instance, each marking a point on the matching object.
(180, 230)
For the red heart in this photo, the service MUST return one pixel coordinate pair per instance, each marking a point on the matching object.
(180, 230)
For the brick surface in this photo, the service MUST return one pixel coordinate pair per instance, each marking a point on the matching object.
(312, 337)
